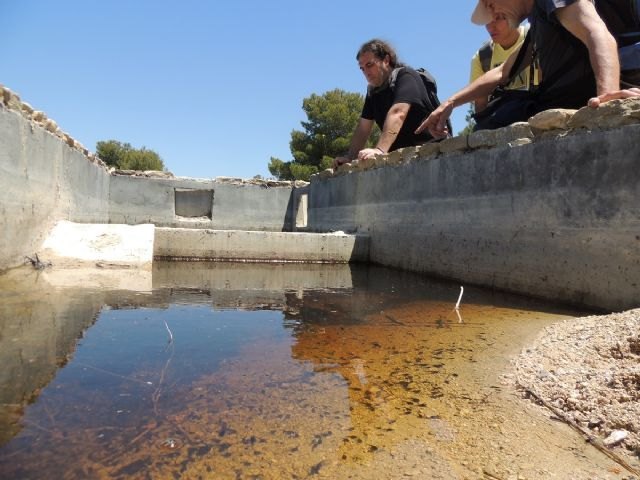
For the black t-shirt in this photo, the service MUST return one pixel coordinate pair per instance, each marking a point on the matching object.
(567, 77)
(408, 89)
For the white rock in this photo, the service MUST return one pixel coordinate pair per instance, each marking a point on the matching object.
(615, 438)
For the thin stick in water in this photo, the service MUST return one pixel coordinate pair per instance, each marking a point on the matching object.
(171, 334)
(459, 298)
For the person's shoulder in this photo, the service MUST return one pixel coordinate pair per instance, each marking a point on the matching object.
(484, 55)
(486, 47)
(487, 44)
(403, 72)
(405, 78)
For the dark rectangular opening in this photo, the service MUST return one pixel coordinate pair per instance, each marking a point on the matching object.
(193, 203)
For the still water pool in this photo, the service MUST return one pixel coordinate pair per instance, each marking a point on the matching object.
(270, 372)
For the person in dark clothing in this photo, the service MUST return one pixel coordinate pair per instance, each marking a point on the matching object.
(397, 106)
(577, 55)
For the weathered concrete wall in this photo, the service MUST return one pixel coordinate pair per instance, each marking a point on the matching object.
(238, 245)
(43, 179)
(556, 216)
(549, 208)
(197, 203)
(47, 176)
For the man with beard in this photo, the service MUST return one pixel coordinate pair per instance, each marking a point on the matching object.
(397, 105)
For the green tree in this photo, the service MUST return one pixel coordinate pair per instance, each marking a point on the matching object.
(470, 122)
(124, 157)
(331, 119)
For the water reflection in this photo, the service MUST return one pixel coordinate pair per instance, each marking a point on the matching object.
(261, 371)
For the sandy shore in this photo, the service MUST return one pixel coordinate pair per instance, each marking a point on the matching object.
(587, 370)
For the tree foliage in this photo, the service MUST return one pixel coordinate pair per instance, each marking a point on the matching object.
(331, 120)
(124, 157)
(471, 123)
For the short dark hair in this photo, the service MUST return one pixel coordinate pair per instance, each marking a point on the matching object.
(380, 49)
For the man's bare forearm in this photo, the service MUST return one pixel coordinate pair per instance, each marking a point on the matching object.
(359, 138)
(481, 87)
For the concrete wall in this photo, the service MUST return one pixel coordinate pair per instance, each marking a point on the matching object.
(42, 179)
(47, 176)
(549, 208)
(557, 217)
(192, 203)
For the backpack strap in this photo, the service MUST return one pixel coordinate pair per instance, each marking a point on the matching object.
(526, 50)
(394, 77)
(428, 79)
(484, 55)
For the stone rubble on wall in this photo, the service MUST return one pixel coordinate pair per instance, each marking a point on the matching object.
(225, 180)
(555, 123)
(261, 182)
(141, 173)
(12, 101)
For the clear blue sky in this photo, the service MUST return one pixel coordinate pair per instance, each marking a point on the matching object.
(214, 87)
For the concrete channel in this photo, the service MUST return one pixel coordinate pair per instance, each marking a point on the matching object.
(547, 209)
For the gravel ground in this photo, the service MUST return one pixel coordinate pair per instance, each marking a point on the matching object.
(588, 371)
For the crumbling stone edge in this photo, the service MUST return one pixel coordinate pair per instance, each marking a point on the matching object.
(555, 123)
(37, 118)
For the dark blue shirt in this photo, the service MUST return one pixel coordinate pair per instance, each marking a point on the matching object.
(567, 77)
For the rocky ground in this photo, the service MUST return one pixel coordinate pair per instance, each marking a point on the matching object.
(587, 371)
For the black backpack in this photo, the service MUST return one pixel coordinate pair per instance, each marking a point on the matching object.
(430, 84)
(484, 54)
(622, 18)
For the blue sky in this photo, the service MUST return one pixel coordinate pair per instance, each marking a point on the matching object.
(214, 87)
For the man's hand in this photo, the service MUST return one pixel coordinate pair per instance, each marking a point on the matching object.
(436, 123)
(626, 93)
(369, 154)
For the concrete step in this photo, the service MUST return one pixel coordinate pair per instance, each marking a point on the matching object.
(77, 244)
(238, 245)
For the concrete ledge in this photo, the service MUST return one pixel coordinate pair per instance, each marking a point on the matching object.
(73, 244)
(238, 245)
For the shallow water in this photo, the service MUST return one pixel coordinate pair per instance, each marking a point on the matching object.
(272, 371)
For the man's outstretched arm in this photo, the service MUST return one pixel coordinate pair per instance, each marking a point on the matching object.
(358, 141)
(392, 124)
(436, 123)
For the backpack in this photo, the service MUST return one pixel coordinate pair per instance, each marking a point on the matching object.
(622, 18)
(484, 55)
(430, 84)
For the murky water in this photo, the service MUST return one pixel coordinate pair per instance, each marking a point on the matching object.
(271, 372)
